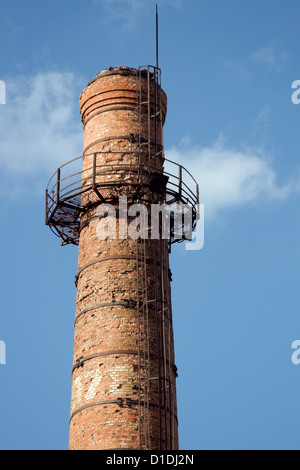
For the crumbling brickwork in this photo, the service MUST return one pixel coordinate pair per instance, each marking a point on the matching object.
(124, 373)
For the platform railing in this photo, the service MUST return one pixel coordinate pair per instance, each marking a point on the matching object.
(72, 180)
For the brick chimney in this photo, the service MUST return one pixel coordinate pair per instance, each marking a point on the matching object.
(124, 372)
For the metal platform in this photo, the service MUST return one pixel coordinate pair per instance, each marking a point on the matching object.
(66, 188)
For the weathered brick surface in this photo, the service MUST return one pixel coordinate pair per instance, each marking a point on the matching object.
(124, 374)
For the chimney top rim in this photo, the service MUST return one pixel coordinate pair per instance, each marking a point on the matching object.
(120, 70)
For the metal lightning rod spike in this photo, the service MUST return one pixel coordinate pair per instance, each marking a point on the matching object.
(156, 37)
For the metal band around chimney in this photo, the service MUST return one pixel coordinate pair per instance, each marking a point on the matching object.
(122, 402)
(118, 352)
(131, 138)
(101, 260)
(109, 258)
(123, 303)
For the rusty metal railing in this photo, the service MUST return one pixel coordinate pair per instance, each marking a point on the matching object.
(65, 190)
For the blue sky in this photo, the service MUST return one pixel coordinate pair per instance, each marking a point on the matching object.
(227, 68)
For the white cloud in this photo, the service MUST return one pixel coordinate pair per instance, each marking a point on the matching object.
(39, 126)
(238, 69)
(129, 11)
(272, 59)
(229, 178)
(40, 129)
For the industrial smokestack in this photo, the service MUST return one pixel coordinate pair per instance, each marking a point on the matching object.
(124, 372)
